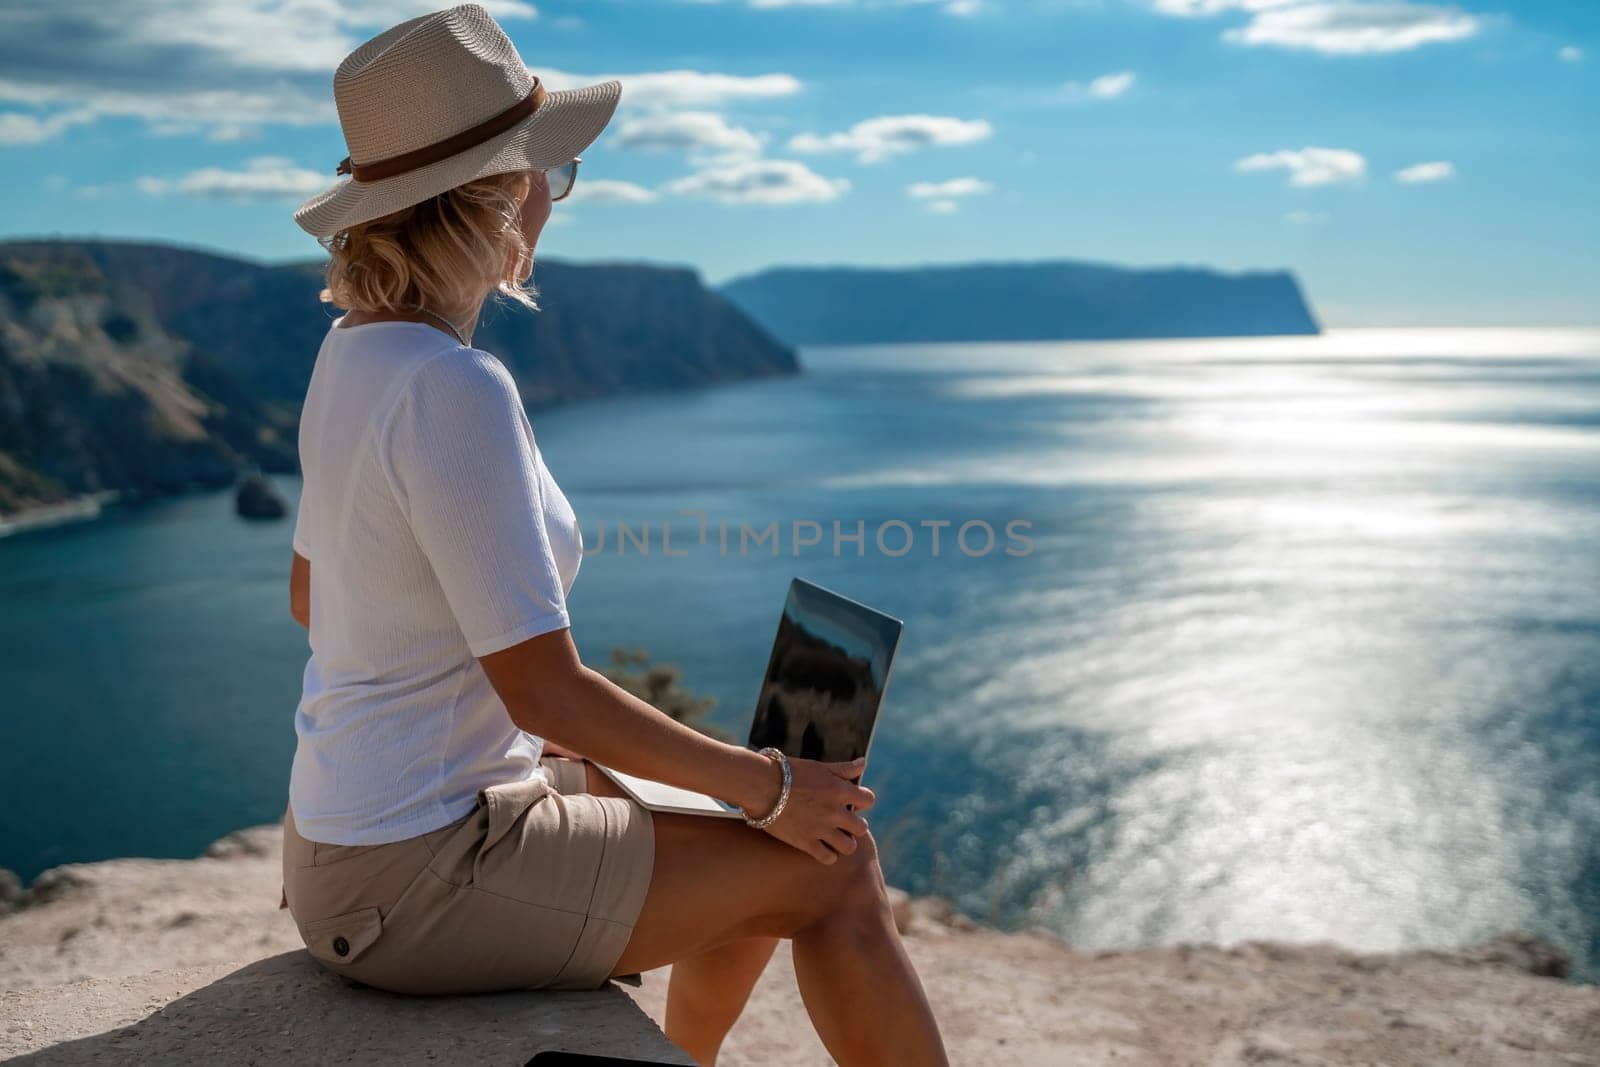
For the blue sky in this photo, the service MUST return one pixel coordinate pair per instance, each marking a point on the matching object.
(1414, 162)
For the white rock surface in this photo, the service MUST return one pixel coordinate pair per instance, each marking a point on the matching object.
(191, 961)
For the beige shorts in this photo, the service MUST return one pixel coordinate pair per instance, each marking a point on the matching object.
(537, 887)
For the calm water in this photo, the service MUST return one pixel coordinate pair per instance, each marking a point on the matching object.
(1307, 644)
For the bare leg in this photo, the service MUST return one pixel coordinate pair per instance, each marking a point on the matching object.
(716, 881)
(852, 967)
(709, 991)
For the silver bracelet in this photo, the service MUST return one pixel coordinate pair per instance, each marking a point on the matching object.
(783, 794)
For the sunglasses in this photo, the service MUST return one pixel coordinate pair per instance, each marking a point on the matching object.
(561, 179)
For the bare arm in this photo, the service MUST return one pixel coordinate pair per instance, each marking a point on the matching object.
(553, 749)
(300, 590)
(463, 466)
(549, 692)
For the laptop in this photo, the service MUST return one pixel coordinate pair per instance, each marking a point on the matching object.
(819, 700)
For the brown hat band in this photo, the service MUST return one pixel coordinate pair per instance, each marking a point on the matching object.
(450, 146)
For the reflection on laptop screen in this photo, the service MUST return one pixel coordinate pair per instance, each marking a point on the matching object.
(825, 680)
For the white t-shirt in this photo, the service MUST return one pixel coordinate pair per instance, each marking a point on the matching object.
(435, 535)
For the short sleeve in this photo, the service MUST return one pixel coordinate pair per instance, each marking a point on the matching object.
(460, 455)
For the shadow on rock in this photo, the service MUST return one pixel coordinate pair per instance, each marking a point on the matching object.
(286, 1009)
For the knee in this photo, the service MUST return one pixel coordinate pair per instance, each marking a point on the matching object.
(850, 889)
(856, 884)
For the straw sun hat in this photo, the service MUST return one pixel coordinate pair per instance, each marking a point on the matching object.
(440, 101)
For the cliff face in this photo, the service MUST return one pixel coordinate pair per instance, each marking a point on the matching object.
(1017, 302)
(148, 369)
(613, 328)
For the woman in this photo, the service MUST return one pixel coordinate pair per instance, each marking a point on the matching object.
(434, 843)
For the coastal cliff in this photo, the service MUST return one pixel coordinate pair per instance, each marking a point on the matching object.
(1044, 301)
(144, 369)
(192, 961)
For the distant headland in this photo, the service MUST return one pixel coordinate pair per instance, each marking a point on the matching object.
(1030, 301)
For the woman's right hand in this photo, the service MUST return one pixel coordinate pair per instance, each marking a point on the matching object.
(816, 820)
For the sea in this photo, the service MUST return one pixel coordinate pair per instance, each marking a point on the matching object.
(1205, 640)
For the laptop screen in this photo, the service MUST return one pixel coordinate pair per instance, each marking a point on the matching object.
(826, 677)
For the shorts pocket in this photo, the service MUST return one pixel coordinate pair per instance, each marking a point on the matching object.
(343, 938)
(504, 805)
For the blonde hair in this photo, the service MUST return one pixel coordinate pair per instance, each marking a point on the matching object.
(443, 254)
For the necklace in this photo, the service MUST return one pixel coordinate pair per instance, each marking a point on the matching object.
(419, 309)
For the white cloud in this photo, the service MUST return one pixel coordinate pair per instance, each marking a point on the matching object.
(1334, 27)
(18, 128)
(263, 178)
(1306, 218)
(1570, 54)
(760, 181)
(1105, 87)
(228, 132)
(701, 133)
(943, 198)
(611, 191)
(949, 7)
(1420, 173)
(681, 88)
(954, 187)
(1197, 8)
(1355, 27)
(189, 65)
(173, 111)
(1309, 166)
(876, 139)
(229, 70)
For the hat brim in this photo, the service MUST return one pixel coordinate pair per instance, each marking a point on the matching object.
(566, 123)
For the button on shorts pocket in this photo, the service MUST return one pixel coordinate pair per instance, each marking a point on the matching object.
(342, 939)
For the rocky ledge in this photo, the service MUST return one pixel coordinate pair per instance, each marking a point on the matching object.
(191, 961)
